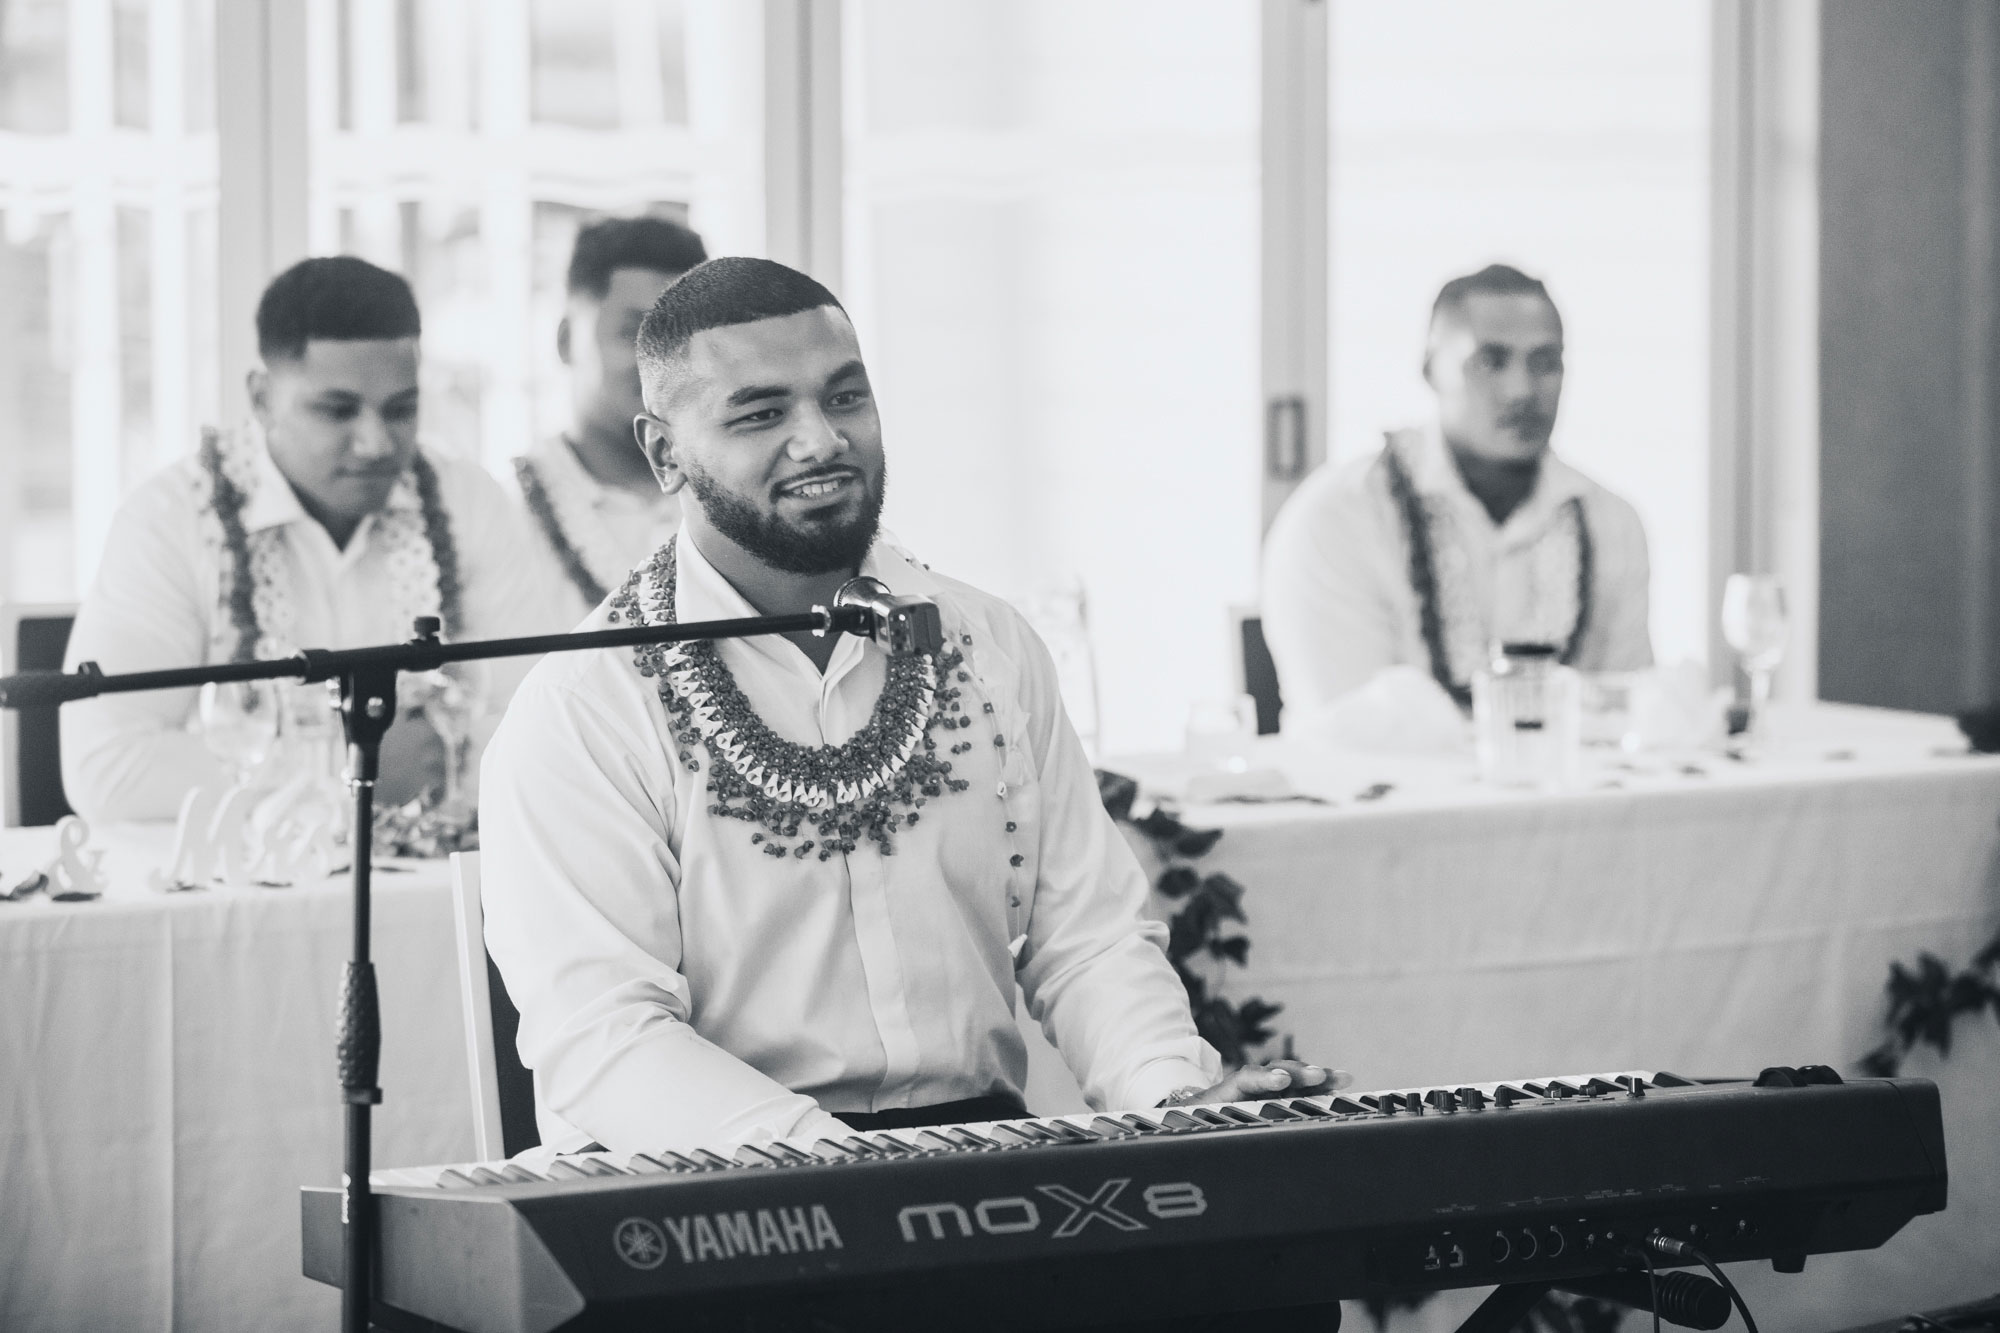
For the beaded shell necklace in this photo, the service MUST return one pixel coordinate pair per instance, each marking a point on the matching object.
(868, 786)
(1423, 576)
(259, 609)
(536, 496)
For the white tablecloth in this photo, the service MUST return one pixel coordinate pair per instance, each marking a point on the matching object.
(167, 1082)
(1695, 914)
(167, 1076)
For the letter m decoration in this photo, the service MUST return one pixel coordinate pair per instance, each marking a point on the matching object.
(1082, 1211)
(934, 1213)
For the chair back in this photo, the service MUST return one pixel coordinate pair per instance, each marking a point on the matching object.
(1257, 674)
(32, 638)
(503, 1090)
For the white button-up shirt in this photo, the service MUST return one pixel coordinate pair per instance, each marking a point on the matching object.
(157, 602)
(609, 528)
(1338, 605)
(679, 987)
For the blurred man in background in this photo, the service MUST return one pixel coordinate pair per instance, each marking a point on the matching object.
(320, 522)
(595, 503)
(1459, 535)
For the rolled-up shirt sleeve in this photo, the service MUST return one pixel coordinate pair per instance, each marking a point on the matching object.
(581, 906)
(1094, 967)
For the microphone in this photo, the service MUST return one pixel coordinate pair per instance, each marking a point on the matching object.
(38, 689)
(900, 626)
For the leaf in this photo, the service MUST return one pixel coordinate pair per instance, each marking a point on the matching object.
(1196, 842)
(1117, 792)
(1988, 957)
(1177, 882)
(1228, 896)
(1162, 828)
(1236, 949)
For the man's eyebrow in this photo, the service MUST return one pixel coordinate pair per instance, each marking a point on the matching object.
(756, 393)
(851, 368)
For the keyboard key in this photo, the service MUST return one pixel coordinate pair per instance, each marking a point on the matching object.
(1179, 1122)
(1278, 1111)
(516, 1174)
(485, 1176)
(1309, 1109)
(708, 1161)
(1108, 1128)
(455, 1180)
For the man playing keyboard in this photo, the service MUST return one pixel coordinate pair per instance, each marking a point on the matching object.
(779, 887)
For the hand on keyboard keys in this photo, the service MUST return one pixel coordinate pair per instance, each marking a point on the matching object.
(1280, 1078)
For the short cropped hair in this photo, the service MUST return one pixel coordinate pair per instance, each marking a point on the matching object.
(334, 299)
(718, 294)
(659, 245)
(1493, 280)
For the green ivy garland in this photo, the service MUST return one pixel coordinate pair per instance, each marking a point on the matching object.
(1925, 1002)
(1199, 938)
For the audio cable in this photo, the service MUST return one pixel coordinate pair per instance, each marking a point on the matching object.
(1680, 1249)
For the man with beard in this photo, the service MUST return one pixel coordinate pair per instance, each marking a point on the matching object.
(1458, 536)
(775, 887)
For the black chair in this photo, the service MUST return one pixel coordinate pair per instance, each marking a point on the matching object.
(1259, 672)
(35, 639)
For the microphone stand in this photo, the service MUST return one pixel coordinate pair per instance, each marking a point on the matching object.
(367, 683)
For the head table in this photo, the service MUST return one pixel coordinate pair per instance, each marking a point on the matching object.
(167, 1073)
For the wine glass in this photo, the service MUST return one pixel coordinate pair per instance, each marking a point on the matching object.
(1755, 625)
(453, 705)
(239, 723)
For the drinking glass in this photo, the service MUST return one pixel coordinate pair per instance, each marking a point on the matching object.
(1755, 625)
(239, 723)
(1221, 732)
(453, 705)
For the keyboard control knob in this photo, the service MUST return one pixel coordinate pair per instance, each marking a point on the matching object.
(1472, 1099)
(1441, 1100)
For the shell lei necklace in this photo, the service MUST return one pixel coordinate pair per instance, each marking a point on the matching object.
(869, 786)
(420, 552)
(1423, 577)
(535, 495)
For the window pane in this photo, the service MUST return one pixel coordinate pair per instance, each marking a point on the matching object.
(1052, 247)
(34, 66)
(459, 142)
(1571, 140)
(108, 336)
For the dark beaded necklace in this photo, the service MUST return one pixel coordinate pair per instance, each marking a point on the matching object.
(1423, 576)
(869, 786)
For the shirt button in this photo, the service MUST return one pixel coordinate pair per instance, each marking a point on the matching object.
(1017, 859)
(1001, 789)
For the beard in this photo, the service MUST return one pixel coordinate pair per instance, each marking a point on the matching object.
(813, 547)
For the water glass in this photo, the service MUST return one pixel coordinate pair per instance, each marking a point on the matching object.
(1755, 624)
(239, 722)
(1527, 718)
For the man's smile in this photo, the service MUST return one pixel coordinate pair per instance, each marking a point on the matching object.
(820, 486)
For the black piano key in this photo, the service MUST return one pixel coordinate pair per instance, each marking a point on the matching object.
(893, 1146)
(486, 1176)
(1597, 1087)
(1208, 1117)
(1179, 1122)
(1108, 1128)
(1559, 1091)
(708, 1161)
(970, 1138)
(641, 1165)
(516, 1174)
(1278, 1111)
(455, 1180)
(930, 1140)
(786, 1153)
(564, 1168)
(1139, 1124)
(1239, 1115)
(752, 1156)
(1536, 1089)
(1310, 1110)
(1350, 1106)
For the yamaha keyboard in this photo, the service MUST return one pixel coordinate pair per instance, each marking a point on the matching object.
(1099, 1219)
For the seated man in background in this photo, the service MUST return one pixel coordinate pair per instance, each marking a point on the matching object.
(596, 504)
(1457, 536)
(318, 523)
(739, 888)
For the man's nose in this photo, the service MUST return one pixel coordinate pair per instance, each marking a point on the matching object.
(816, 437)
(371, 437)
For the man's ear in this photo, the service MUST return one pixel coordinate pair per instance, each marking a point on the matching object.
(257, 383)
(656, 441)
(562, 339)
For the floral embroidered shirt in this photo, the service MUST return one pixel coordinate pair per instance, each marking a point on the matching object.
(1337, 601)
(159, 600)
(680, 988)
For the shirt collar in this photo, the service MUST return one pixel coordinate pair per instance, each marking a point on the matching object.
(702, 593)
(271, 502)
(1435, 473)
